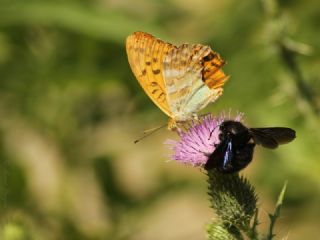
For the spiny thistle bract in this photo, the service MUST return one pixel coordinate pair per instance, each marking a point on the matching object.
(232, 198)
(219, 231)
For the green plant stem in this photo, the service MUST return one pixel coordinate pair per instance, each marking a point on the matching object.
(253, 233)
(273, 217)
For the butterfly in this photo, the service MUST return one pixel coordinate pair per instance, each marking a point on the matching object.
(180, 80)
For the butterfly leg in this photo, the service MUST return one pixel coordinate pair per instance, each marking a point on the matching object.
(172, 125)
(195, 116)
(204, 115)
(205, 154)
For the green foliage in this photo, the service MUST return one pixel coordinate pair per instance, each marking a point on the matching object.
(15, 231)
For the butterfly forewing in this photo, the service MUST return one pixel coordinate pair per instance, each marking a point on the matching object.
(145, 55)
(212, 74)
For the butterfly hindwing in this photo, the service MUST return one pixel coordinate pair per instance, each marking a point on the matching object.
(188, 90)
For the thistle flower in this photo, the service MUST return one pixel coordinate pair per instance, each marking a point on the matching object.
(199, 141)
(232, 197)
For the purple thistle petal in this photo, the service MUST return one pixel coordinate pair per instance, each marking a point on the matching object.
(199, 141)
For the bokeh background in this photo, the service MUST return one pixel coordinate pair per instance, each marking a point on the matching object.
(70, 109)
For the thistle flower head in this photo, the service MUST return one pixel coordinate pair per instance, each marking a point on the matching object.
(198, 141)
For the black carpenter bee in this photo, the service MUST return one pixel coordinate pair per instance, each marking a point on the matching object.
(237, 142)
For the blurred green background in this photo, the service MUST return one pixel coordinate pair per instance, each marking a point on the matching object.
(70, 109)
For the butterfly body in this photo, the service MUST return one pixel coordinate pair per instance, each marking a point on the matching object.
(180, 80)
(235, 149)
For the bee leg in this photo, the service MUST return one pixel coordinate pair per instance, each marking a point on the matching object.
(205, 154)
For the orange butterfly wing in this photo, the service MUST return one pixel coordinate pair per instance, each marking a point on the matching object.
(146, 55)
(193, 78)
(179, 80)
(212, 74)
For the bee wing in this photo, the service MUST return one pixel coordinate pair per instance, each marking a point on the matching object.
(217, 156)
(272, 137)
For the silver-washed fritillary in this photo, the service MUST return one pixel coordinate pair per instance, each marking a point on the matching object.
(180, 80)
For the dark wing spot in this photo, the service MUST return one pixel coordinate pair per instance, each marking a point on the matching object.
(155, 60)
(154, 91)
(213, 64)
(144, 72)
(161, 96)
(209, 57)
(148, 63)
(157, 71)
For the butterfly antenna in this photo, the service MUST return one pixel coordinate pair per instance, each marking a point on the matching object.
(148, 132)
